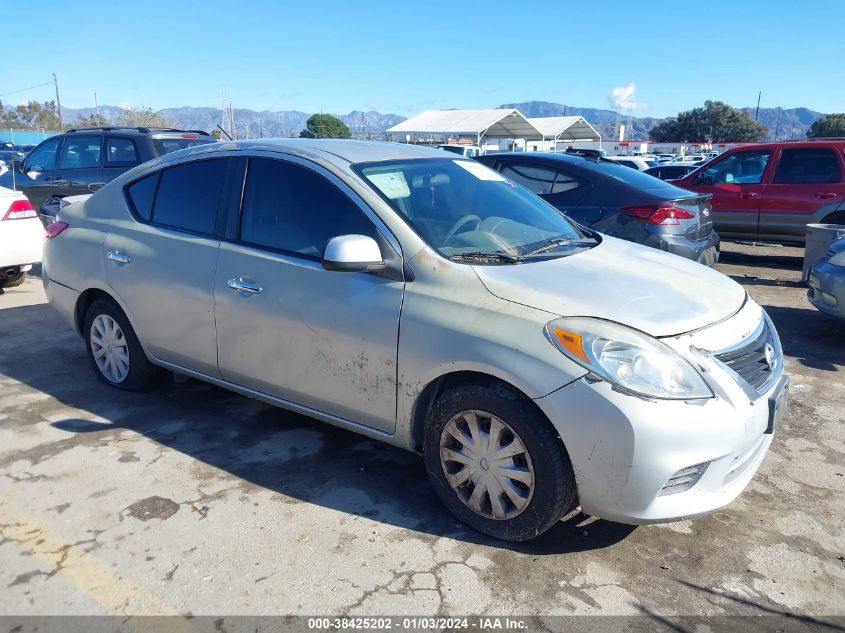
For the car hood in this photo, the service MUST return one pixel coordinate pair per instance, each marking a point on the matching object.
(635, 285)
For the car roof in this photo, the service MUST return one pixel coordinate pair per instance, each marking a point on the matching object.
(333, 150)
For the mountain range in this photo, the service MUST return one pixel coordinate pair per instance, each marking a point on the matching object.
(786, 123)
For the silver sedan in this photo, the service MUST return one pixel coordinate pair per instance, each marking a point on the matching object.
(422, 299)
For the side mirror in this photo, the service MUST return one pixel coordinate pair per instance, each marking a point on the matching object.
(353, 253)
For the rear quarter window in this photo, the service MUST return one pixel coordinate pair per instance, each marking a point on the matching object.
(142, 194)
(167, 145)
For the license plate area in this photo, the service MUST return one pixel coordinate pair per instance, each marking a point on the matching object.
(778, 403)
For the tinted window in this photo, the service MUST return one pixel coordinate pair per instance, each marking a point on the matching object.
(188, 195)
(142, 194)
(80, 152)
(121, 151)
(537, 180)
(44, 156)
(565, 182)
(807, 166)
(167, 145)
(741, 168)
(294, 209)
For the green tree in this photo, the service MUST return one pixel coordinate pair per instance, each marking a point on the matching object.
(90, 121)
(827, 126)
(325, 126)
(716, 122)
(142, 117)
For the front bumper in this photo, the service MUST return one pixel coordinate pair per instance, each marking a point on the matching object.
(827, 289)
(625, 449)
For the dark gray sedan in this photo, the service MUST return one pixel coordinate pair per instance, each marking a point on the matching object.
(617, 201)
(827, 281)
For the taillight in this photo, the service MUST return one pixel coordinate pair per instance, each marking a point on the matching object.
(54, 228)
(190, 136)
(20, 210)
(663, 215)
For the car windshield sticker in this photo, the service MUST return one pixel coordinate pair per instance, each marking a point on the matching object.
(479, 171)
(391, 183)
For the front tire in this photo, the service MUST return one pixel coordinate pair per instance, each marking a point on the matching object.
(496, 462)
(114, 350)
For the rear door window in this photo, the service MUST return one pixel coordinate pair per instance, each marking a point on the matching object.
(189, 195)
(537, 180)
(121, 152)
(807, 166)
(81, 151)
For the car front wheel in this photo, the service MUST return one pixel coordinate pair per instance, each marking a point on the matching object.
(496, 462)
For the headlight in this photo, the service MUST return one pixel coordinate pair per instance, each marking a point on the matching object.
(633, 361)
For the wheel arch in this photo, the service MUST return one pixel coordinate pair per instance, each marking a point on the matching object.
(429, 394)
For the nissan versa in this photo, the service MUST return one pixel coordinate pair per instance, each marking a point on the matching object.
(423, 299)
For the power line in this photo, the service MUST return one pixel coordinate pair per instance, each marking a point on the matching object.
(13, 92)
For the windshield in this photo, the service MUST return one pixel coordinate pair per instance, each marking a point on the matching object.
(465, 210)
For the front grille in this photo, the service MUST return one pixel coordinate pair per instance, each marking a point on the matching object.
(749, 360)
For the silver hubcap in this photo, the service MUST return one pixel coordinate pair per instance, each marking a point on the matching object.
(487, 464)
(110, 348)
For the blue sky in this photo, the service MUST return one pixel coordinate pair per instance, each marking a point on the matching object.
(407, 56)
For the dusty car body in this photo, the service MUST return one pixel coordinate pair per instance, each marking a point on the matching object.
(534, 364)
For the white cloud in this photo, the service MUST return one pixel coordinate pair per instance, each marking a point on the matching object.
(625, 97)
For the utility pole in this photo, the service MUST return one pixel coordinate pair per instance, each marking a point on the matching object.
(58, 103)
(757, 111)
(777, 126)
(97, 108)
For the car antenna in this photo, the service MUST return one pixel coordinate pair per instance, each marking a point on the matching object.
(224, 132)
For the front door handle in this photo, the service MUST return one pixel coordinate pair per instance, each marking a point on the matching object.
(241, 285)
(747, 194)
(826, 195)
(120, 258)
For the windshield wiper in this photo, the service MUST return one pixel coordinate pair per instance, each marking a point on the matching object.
(559, 242)
(480, 257)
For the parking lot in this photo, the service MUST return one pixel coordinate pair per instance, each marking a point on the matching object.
(195, 500)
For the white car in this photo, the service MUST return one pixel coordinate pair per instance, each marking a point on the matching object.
(635, 162)
(21, 238)
(467, 151)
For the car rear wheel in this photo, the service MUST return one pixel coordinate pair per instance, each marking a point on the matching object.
(114, 350)
(496, 462)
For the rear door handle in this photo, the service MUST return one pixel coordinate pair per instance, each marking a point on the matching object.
(747, 194)
(241, 285)
(120, 258)
(826, 195)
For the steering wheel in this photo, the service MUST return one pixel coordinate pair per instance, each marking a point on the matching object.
(460, 223)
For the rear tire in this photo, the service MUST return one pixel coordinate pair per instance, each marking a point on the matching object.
(14, 281)
(114, 350)
(521, 495)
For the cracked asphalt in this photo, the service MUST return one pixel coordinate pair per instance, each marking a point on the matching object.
(194, 500)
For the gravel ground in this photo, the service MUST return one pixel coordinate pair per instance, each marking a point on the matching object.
(196, 500)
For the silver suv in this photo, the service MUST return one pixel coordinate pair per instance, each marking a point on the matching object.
(422, 299)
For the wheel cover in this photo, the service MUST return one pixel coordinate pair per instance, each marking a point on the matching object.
(487, 464)
(110, 348)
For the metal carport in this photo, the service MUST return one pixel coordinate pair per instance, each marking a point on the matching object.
(480, 124)
(565, 128)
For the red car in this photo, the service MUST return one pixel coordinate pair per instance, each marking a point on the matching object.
(771, 191)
